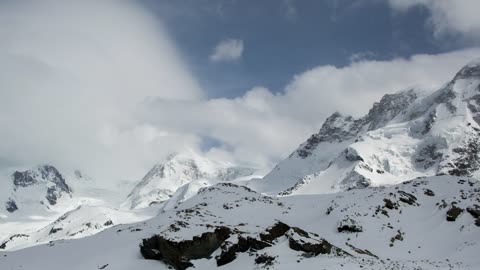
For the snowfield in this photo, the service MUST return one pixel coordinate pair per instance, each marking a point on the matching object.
(403, 226)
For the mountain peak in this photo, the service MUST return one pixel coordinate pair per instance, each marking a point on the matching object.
(43, 173)
(469, 71)
(161, 182)
(405, 135)
(44, 180)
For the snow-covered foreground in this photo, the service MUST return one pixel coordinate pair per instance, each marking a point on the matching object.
(428, 223)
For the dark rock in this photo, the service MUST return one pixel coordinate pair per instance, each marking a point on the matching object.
(469, 71)
(11, 206)
(474, 211)
(349, 225)
(244, 244)
(52, 195)
(432, 116)
(4, 244)
(54, 230)
(108, 223)
(429, 192)
(274, 232)
(265, 259)
(407, 197)
(362, 251)
(398, 237)
(311, 249)
(23, 179)
(389, 204)
(453, 213)
(388, 108)
(179, 254)
(352, 155)
(468, 159)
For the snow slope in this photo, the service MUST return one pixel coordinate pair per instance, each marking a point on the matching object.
(161, 182)
(42, 204)
(405, 226)
(405, 135)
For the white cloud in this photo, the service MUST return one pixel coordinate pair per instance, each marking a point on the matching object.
(448, 17)
(96, 85)
(227, 50)
(262, 127)
(71, 76)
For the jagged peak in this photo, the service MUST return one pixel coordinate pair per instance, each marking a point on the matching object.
(471, 70)
(389, 106)
(41, 173)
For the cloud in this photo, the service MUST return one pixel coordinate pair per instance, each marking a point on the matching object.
(72, 74)
(227, 50)
(98, 85)
(447, 17)
(261, 127)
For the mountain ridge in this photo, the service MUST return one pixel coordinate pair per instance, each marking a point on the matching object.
(424, 135)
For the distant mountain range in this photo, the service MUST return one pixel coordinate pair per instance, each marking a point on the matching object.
(395, 189)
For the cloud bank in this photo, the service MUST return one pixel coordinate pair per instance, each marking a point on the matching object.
(261, 127)
(99, 86)
(71, 76)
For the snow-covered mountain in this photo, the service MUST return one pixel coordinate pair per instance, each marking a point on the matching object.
(405, 135)
(395, 189)
(163, 180)
(43, 204)
(82, 221)
(36, 189)
(429, 223)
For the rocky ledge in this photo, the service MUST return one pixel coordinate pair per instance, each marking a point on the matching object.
(230, 242)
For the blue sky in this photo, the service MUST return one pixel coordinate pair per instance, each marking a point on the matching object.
(284, 38)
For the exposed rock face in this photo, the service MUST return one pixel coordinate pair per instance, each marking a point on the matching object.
(337, 128)
(474, 211)
(230, 242)
(407, 198)
(42, 173)
(453, 213)
(179, 254)
(468, 160)
(349, 225)
(469, 71)
(11, 206)
(388, 108)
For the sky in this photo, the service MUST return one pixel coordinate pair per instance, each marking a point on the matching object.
(112, 87)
